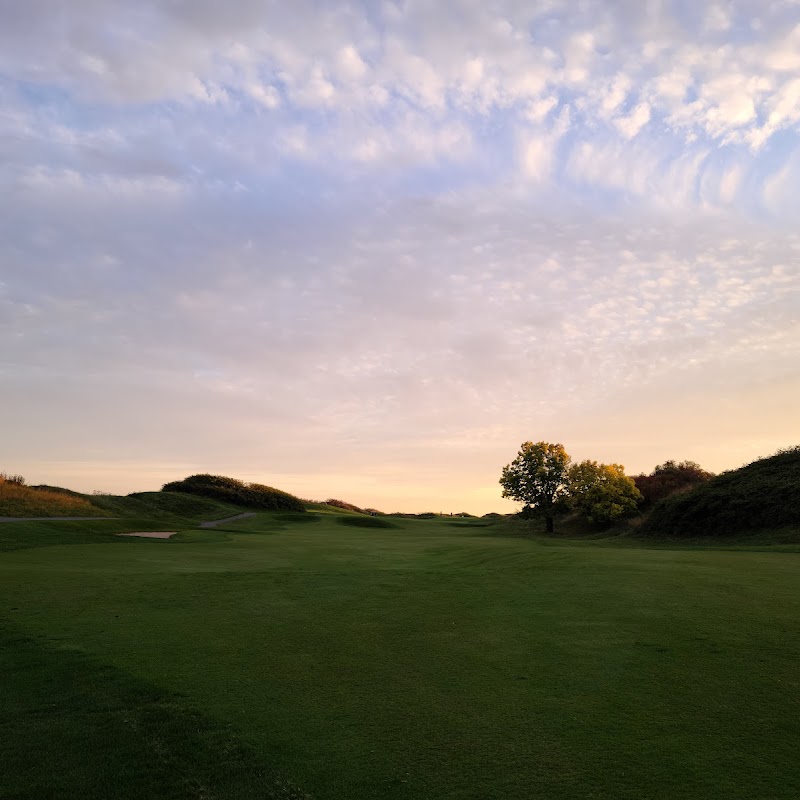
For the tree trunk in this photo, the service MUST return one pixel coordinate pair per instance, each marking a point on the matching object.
(549, 521)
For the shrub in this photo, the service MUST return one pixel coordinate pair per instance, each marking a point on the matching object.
(236, 492)
(763, 494)
(407, 515)
(345, 506)
(668, 478)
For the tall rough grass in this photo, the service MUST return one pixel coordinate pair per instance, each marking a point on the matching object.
(18, 500)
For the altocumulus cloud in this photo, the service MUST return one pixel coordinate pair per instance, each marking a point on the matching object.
(371, 247)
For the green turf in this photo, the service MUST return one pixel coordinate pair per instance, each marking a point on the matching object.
(165, 505)
(71, 727)
(426, 660)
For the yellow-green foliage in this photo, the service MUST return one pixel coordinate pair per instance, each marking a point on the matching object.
(18, 500)
(603, 493)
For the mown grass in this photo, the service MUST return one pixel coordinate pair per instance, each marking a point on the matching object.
(427, 660)
(72, 727)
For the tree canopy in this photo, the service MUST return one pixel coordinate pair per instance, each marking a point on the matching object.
(603, 493)
(537, 477)
(543, 478)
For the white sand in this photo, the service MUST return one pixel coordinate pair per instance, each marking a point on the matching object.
(151, 534)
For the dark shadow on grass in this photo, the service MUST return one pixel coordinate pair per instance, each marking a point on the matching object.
(71, 727)
(49, 533)
(364, 522)
(469, 524)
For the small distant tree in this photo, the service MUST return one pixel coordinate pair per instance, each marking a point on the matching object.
(602, 493)
(538, 478)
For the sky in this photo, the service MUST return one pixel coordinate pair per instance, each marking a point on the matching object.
(364, 250)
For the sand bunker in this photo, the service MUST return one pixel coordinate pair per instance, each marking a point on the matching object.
(151, 534)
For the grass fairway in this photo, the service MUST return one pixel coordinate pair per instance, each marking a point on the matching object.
(431, 659)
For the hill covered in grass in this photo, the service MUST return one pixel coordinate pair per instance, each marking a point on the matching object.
(231, 490)
(759, 496)
(165, 506)
(19, 500)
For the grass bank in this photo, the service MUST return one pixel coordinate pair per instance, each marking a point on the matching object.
(17, 500)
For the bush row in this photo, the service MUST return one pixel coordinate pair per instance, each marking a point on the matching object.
(231, 490)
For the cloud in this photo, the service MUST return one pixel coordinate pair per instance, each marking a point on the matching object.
(718, 18)
(780, 188)
(537, 157)
(630, 125)
(265, 95)
(352, 79)
(320, 239)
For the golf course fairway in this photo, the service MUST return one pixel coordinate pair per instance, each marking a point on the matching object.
(296, 655)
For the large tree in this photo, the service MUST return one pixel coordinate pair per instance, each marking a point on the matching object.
(538, 478)
(603, 493)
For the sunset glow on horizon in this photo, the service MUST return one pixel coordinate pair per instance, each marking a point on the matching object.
(364, 250)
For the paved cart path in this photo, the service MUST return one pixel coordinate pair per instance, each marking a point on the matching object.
(214, 523)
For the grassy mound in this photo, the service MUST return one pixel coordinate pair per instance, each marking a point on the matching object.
(164, 505)
(761, 495)
(293, 519)
(345, 506)
(43, 487)
(18, 500)
(231, 490)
